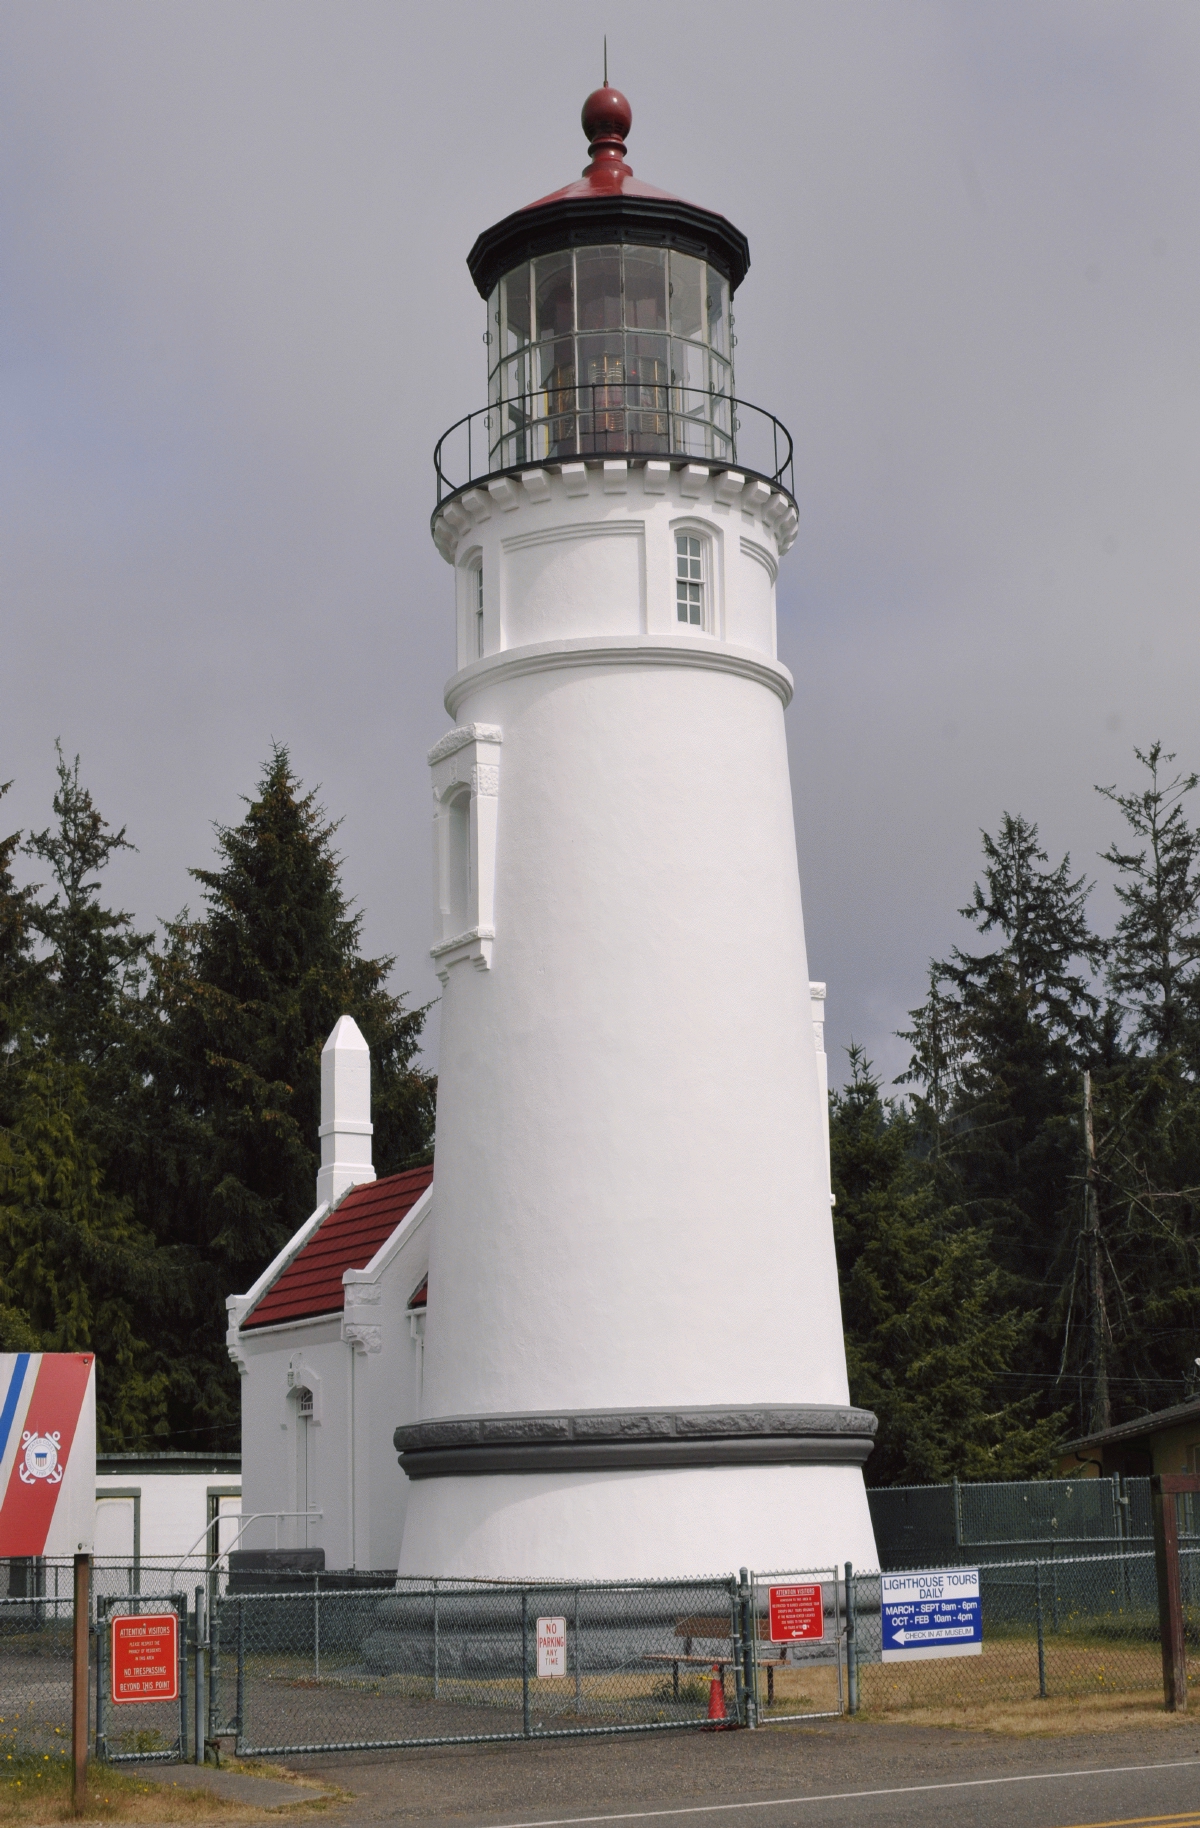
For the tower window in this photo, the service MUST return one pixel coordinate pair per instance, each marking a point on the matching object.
(479, 610)
(689, 580)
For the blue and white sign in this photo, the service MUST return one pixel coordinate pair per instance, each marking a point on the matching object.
(931, 1615)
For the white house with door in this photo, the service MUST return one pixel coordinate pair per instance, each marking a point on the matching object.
(151, 1506)
(329, 1344)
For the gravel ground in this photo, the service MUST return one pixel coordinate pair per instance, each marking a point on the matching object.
(768, 1777)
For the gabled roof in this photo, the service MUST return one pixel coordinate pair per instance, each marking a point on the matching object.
(364, 1219)
(1145, 1424)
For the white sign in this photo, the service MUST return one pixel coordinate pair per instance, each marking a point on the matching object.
(935, 1614)
(552, 1647)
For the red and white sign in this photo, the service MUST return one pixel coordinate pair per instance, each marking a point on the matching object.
(552, 1647)
(47, 1452)
(796, 1612)
(145, 1657)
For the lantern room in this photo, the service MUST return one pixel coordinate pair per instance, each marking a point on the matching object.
(609, 318)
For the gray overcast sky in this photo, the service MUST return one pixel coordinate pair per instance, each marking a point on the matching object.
(235, 316)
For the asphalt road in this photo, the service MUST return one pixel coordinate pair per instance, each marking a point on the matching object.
(782, 1777)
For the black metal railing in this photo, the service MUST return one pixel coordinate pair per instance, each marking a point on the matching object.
(560, 424)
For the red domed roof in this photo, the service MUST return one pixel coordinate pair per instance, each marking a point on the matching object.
(607, 118)
(607, 204)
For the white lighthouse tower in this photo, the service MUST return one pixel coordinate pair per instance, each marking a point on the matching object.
(633, 1356)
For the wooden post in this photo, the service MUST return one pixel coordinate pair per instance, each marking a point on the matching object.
(1164, 1487)
(79, 1684)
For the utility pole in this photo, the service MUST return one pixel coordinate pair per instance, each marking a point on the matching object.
(1101, 1416)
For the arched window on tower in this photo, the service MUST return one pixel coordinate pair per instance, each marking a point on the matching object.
(690, 582)
(458, 865)
(477, 595)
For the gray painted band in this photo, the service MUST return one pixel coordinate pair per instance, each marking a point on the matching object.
(635, 1456)
(809, 1434)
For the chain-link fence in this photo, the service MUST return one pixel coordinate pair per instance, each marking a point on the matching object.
(36, 1651)
(1083, 1626)
(332, 1663)
(796, 1630)
(35, 1674)
(932, 1526)
(431, 1661)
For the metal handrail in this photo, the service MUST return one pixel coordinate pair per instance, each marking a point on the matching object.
(613, 419)
(236, 1516)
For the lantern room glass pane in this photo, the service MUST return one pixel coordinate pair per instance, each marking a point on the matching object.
(645, 288)
(554, 295)
(598, 283)
(607, 350)
(514, 310)
(687, 297)
(718, 313)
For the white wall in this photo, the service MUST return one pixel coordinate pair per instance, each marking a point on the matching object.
(172, 1512)
(632, 1167)
(363, 1368)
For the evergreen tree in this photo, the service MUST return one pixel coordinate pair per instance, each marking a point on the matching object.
(1153, 961)
(224, 1159)
(93, 956)
(998, 1051)
(74, 1269)
(20, 974)
(1144, 1244)
(932, 1338)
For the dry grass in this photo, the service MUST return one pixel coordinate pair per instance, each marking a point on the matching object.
(1049, 1718)
(33, 1791)
(36, 1791)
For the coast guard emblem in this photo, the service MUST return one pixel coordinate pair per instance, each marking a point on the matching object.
(41, 1457)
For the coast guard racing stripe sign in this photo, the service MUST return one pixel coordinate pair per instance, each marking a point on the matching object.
(47, 1452)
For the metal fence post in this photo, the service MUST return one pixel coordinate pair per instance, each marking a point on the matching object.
(851, 1644)
(239, 1720)
(749, 1661)
(201, 1685)
(1041, 1636)
(214, 1668)
(316, 1628)
(79, 1681)
(525, 1664)
(179, 1600)
(435, 1641)
(101, 1746)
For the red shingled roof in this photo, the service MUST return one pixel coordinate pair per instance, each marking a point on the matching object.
(348, 1239)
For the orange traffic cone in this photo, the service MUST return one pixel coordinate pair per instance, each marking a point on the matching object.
(716, 1699)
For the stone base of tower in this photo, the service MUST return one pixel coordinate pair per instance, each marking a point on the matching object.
(637, 1525)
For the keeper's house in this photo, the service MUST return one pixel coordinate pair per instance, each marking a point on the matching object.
(1168, 1441)
(329, 1343)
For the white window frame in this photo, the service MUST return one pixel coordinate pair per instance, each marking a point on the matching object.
(465, 763)
(471, 604)
(692, 582)
(710, 576)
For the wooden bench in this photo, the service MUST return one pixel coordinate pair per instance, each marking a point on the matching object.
(716, 1628)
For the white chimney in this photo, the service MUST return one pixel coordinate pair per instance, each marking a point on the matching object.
(345, 1112)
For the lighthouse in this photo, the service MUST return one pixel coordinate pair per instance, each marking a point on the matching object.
(633, 1361)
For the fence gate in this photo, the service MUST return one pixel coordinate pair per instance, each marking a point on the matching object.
(439, 1662)
(795, 1632)
(141, 1730)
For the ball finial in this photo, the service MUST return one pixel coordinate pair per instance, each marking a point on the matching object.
(607, 118)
